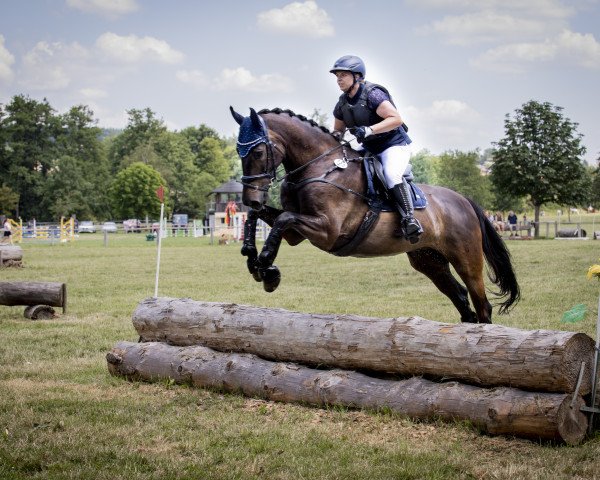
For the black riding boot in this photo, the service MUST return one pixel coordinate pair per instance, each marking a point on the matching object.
(411, 228)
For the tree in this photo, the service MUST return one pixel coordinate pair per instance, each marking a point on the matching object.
(29, 132)
(66, 190)
(423, 167)
(133, 192)
(9, 199)
(595, 188)
(81, 149)
(541, 157)
(142, 127)
(460, 172)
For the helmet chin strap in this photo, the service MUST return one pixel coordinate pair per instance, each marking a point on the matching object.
(354, 82)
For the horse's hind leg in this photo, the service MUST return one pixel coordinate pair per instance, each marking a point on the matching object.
(471, 272)
(437, 268)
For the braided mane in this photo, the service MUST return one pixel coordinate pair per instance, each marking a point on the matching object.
(279, 111)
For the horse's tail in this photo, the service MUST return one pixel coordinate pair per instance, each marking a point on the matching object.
(498, 259)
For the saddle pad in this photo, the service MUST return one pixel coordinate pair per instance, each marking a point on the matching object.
(377, 192)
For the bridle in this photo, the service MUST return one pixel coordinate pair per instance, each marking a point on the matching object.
(271, 173)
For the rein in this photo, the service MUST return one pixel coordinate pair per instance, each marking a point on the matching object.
(272, 173)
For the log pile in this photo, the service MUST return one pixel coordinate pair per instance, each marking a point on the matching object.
(503, 380)
(11, 256)
(40, 295)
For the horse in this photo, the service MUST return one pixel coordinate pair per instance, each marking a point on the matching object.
(323, 201)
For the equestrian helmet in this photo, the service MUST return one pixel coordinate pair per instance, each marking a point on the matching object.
(349, 63)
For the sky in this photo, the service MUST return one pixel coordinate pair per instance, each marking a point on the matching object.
(455, 68)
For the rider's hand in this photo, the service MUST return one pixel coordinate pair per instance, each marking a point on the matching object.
(338, 135)
(362, 132)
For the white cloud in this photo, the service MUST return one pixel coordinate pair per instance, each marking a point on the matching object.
(6, 60)
(469, 22)
(304, 19)
(444, 124)
(132, 49)
(195, 78)
(484, 26)
(241, 79)
(236, 79)
(445, 110)
(93, 93)
(49, 66)
(540, 8)
(111, 8)
(569, 48)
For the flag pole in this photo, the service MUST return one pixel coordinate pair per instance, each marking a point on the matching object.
(160, 193)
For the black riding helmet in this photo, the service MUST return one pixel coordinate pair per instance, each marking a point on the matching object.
(349, 63)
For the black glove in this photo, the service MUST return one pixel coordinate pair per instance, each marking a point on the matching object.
(362, 132)
(338, 135)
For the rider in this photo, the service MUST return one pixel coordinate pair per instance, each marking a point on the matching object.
(368, 110)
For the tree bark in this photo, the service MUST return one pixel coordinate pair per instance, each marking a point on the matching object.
(12, 253)
(500, 410)
(39, 312)
(34, 293)
(540, 360)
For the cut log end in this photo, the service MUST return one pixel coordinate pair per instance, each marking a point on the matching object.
(572, 422)
(579, 347)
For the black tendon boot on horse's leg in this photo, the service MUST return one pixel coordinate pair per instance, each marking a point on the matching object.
(249, 246)
(411, 228)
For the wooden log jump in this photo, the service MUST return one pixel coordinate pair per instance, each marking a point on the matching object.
(11, 255)
(486, 355)
(502, 410)
(53, 294)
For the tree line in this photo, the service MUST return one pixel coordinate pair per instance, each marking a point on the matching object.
(54, 165)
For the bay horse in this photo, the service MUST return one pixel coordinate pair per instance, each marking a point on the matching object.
(323, 201)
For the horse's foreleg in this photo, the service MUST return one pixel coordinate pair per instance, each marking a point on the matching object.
(437, 268)
(302, 225)
(249, 246)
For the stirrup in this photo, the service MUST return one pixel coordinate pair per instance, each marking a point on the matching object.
(412, 230)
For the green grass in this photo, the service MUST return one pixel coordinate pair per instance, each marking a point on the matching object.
(63, 416)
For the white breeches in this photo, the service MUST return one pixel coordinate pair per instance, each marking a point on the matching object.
(395, 160)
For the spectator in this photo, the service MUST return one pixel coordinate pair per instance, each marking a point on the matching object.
(512, 223)
(7, 237)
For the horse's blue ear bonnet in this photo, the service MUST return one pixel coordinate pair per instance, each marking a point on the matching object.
(253, 131)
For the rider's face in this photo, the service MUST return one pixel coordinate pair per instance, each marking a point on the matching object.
(344, 80)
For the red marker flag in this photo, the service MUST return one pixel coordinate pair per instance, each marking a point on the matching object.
(160, 193)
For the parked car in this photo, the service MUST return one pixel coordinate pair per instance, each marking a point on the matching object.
(109, 227)
(133, 225)
(86, 226)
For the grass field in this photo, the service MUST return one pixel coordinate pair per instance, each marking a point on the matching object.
(63, 416)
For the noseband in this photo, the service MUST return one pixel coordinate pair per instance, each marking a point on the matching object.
(270, 173)
(253, 132)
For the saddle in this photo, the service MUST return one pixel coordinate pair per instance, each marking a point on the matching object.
(377, 191)
(378, 201)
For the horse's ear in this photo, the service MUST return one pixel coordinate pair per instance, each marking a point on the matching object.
(255, 119)
(236, 116)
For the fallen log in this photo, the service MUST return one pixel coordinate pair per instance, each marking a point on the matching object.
(10, 255)
(39, 312)
(53, 294)
(502, 410)
(488, 355)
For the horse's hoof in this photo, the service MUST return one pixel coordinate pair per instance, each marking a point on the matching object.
(256, 276)
(249, 252)
(271, 278)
